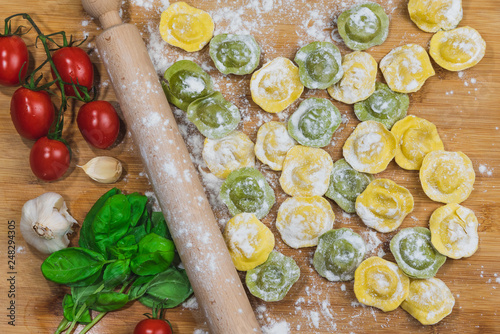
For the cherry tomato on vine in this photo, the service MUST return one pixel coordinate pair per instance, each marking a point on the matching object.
(99, 123)
(153, 326)
(32, 113)
(49, 159)
(13, 57)
(74, 66)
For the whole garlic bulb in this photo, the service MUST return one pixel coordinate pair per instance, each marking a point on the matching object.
(45, 223)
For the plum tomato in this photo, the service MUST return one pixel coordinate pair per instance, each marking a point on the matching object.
(32, 113)
(13, 58)
(74, 66)
(49, 159)
(99, 123)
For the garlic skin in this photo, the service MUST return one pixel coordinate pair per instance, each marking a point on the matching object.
(46, 223)
(103, 169)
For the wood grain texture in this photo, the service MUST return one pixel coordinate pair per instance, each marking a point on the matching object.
(467, 120)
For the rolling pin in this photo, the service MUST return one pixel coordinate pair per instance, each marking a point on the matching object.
(176, 183)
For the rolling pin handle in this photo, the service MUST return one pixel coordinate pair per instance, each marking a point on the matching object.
(107, 11)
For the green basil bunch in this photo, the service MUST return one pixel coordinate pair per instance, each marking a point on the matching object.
(122, 244)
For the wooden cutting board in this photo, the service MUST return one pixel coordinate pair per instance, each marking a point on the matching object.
(464, 107)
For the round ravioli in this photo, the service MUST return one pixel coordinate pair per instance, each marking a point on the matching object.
(364, 26)
(414, 253)
(301, 220)
(457, 49)
(415, 138)
(186, 82)
(227, 154)
(384, 205)
(406, 68)
(434, 15)
(214, 116)
(358, 82)
(273, 142)
(320, 65)
(429, 301)
(246, 190)
(248, 240)
(235, 54)
(314, 122)
(454, 231)
(338, 254)
(384, 106)
(381, 284)
(306, 171)
(272, 280)
(186, 27)
(447, 177)
(346, 184)
(370, 147)
(276, 85)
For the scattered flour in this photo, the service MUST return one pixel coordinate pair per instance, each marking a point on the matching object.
(485, 170)
(281, 327)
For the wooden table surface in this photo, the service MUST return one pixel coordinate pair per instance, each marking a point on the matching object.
(463, 106)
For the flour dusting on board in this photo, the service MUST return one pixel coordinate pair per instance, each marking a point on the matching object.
(311, 310)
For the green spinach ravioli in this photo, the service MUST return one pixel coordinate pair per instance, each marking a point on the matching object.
(384, 106)
(363, 26)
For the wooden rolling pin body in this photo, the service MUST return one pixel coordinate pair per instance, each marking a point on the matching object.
(192, 224)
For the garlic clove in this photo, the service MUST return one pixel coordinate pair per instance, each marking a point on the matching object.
(46, 223)
(103, 169)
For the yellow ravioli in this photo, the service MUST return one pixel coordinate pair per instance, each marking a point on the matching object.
(447, 177)
(406, 68)
(358, 82)
(370, 147)
(457, 49)
(454, 231)
(434, 15)
(306, 171)
(381, 284)
(429, 300)
(301, 220)
(248, 240)
(415, 137)
(186, 27)
(273, 142)
(384, 205)
(276, 85)
(227, 154)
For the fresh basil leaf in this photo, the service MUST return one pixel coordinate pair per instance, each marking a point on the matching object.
(125, 248)
(139, 287)
(172, 289)
(81, 293)
(116, 272)
(71, 265)
(111, 222)
(87, 281)
(139, 232)
(69, 311)
(155, 255)
(87, 239)
(137, 207)
(107, 301)
(159, 225)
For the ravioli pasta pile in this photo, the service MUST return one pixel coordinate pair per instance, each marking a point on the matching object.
(308, 173)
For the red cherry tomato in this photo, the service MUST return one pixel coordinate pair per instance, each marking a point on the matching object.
(13, 57)
(49, 159)
(74, 66)
(99, 123)
(32, 113)
(153, 326)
